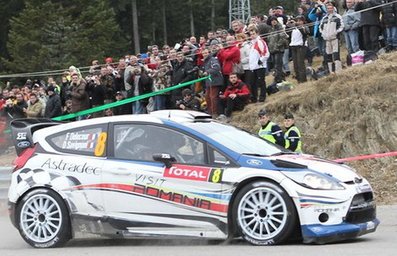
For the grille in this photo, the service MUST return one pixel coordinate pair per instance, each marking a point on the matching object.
(362, 208)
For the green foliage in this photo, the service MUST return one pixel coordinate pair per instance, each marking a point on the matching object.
(56, 34)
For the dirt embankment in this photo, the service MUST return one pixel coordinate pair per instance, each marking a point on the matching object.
(349, 114)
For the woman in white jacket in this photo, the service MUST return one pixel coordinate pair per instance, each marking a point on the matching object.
(257, 61)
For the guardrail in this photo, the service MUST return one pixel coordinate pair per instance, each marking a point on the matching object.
(5, 179)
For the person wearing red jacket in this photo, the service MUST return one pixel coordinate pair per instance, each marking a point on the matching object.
(228, 56)
(236, 96)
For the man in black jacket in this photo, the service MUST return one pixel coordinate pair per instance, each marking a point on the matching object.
(369, 23)
(16, 108)
(183, 71)
(53, 106)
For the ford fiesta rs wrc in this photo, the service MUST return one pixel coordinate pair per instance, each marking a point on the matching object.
(177, 174)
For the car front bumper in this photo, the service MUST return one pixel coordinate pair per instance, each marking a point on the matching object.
(321, 234)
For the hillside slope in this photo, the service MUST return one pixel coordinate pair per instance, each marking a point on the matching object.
(349, 114)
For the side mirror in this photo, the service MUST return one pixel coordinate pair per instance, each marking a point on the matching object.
(167, 159)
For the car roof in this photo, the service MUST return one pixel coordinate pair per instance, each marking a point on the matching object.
(178, 116)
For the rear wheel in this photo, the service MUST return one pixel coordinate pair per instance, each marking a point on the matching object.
(43, 219)
(263, 213)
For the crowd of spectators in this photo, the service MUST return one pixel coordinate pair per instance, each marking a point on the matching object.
(237, 59)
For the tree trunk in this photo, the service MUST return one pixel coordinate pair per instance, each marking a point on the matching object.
(137, 47)
(164, 22)
(191, 18)
(213, 15)
(153, 25)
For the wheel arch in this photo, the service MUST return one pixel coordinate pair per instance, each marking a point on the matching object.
(63, 197)
(241, 185)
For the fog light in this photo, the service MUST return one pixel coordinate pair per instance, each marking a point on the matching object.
(323, 217)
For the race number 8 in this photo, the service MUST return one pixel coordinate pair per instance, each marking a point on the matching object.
(216, 175)
(101, 144)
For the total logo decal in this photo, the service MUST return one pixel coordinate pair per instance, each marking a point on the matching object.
(196, 173)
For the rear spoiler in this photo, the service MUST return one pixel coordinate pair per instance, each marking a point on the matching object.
(23, 129)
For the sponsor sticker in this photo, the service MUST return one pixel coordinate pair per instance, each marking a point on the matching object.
(194, 173)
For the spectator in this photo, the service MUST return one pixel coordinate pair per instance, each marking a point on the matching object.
(166, 50)
(67, 109)
(96, 91)
(235, 97)
(270, 131)
(161, 80)
(316, 14)
(182, 72)
(238, 27)
(34, 108)
(95, 68)
(188, 102)
(228, 57)
(53, 107)
(370, 24)
(122, 109)
(107, 81)
(141, 84)
(15, 108)
(351, 21)
(79, 96)
(258, 56)
(277, 43)
(389, 20)
(245, 46)
(212, 67)
(298, 49)
(292, 135)
(330, 28)
(118, 75)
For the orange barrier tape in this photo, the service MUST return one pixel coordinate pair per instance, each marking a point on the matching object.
(355, 158)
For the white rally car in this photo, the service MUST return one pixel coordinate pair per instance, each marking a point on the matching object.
(177, 174)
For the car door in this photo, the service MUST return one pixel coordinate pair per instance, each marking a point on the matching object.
(150, 198)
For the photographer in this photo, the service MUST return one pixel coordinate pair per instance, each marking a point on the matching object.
(15, 108)
(107, 81)
(96, 92)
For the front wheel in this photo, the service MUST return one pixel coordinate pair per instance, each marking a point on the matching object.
(43, 220)
(263, 213)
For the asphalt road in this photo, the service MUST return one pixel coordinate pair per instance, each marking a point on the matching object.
(383, 242)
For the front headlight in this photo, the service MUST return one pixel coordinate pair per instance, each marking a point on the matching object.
(314, 180)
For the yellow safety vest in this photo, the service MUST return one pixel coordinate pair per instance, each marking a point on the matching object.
(266, 133)
(287, 138)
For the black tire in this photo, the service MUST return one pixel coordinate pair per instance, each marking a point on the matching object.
(270, 222)
(42, 219)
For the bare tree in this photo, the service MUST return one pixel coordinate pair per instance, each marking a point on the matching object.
(212, 15)
(137, 47)
(164, 22)
(191, 18)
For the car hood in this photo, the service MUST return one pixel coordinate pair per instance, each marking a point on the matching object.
(300, 162)
(339, 171)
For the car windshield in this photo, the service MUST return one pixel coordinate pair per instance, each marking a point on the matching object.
(237, 140)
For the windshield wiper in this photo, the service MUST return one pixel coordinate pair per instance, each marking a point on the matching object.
(253, 154)
(284, 153)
